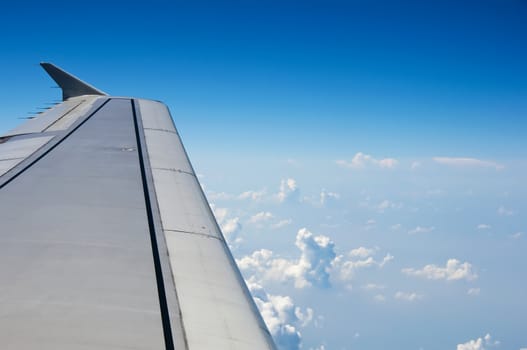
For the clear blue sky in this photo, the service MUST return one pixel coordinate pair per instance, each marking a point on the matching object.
(264, 91)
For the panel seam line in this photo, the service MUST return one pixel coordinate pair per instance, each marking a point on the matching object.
(68, 134)
(196, 233)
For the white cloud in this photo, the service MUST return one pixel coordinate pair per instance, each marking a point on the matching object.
(387, 162)
(253, 195)
(327, 197)
(454, 270)
(359, 258)
(256, 261)
(260, 217)
(281, 223)
(387, 258)
(386, 204)
(230, 226)
(213, 196)
(361, 252)
(420, 229)
(312, 268)
(361, 160)
(282, 317)
(317, 253)
(288, 190)
(517, 235)
(483, 227)
(467, 162)
(317, 264)
(323, 347)
(478, 344)
(407, 296)
(265, 218)
(505, 212)
(474, 291)
(322, 199)
(373, 286)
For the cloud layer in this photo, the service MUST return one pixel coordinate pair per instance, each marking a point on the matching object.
(467, 162)
(453, 271)
(361, 160)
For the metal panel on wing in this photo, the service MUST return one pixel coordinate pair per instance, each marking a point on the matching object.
(217, 309)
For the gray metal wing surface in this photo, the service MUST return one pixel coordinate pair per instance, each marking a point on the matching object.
(106, 238)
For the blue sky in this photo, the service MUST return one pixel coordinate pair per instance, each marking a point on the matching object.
(394, 131)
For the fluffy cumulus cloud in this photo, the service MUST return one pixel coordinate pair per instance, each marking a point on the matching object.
(317, 254)
(362, 252)
(289, 191)
(317, 265)
(281, 315)
(230, 226)
(356, 259)
(481, 343)
(467, 162)
(361, 160)
(453, 271)
(312, 268)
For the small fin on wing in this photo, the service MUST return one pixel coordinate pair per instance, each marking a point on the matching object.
(71, 86)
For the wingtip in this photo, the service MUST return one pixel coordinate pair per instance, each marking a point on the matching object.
(46, 64)
(71, 85)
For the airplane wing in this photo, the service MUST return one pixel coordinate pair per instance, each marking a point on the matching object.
(106, 238)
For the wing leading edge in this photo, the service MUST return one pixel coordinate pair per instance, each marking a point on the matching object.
(108, 240)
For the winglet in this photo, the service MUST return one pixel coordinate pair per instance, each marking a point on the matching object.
(71, 86)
